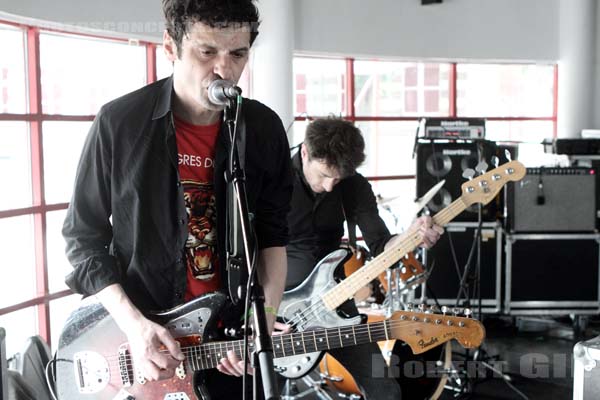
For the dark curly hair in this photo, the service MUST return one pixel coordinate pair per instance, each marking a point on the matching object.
(181, 14)
(337, 142)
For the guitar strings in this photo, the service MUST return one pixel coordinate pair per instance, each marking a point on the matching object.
(316, 309)
(201, 353)
(205, 353)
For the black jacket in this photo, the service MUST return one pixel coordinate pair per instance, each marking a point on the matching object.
(127, 222)
(316, 221)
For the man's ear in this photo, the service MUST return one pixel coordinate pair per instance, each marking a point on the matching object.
(169, 47)
(303, 152)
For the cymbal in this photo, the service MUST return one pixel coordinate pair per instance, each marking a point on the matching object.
(419, 203)
(386, 200)
(426, 198)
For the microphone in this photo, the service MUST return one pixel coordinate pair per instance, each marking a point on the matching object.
(220, 91)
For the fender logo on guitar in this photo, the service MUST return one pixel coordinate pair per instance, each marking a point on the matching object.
(429, 343)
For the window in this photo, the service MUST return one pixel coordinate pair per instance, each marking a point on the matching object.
(18, 260)
(63, 142)
(12, 71)
(496, 90)
(102, 71)
(39, 152)
(19, 325)
(164, 68)
(384, 89)
(15, 164)
(58, 265)
(389, 147)
(390, 97)
(319, 86)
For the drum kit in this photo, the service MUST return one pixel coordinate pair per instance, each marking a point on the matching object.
(394, 290)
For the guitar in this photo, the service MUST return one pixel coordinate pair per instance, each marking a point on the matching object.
(315, 302)
(93, 361)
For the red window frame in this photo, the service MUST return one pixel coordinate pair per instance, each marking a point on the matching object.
(35, 118)
(351, 115)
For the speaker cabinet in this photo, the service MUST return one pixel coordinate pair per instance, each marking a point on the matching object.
(444, 279)
(437, 160)
(553, 200)
(552, 273)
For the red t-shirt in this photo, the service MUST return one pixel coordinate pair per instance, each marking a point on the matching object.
(196, 153)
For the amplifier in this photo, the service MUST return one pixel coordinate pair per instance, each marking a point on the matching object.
(454, 128)
(576, 146)
(542, 276)
(553, 200)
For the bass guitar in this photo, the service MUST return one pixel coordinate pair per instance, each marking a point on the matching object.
(315, 302)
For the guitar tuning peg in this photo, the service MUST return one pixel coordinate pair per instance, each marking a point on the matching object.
(467, 312)
(444, 310)
(468, 174)
(507, 155)
(456, 311)
(409, 307)
(434, 309)
(495, 161)
(422, 307)
(481, 167)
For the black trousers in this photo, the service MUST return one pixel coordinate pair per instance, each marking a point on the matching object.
(368, 368)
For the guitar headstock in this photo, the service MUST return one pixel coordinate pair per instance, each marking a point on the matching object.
(423, 331)
(485, 187)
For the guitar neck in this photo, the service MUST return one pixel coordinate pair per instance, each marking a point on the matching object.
(410, 240)
(207, 355)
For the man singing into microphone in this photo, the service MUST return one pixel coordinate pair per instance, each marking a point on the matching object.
(145, 229)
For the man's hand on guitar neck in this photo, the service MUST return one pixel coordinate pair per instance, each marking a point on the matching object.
(233, 365)
(146, 338)
(430, 233)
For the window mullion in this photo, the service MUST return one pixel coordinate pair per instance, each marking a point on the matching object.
(452, 89)
(150, 62)
(37, 177)
(351, 112)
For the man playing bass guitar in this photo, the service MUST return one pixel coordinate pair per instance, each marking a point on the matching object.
(328, 191)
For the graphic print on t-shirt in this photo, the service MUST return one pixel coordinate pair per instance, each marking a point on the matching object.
(201, 243)
(196, 150)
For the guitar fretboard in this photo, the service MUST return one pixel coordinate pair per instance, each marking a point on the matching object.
(411, 239)
(208, 355)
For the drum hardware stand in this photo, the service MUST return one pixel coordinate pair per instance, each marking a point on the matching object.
(391, 274)
(290, 389)
(463, 387)
(399, 294)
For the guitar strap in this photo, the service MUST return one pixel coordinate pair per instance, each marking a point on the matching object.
(350, 221)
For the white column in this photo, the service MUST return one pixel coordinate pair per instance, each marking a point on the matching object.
(272, 74)
(576, 66)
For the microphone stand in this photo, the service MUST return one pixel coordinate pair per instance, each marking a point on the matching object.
(263, 349)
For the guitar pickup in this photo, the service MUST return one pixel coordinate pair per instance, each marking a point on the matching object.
(125, 372)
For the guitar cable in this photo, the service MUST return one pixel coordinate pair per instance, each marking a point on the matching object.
(246, 329)
(50, 382)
